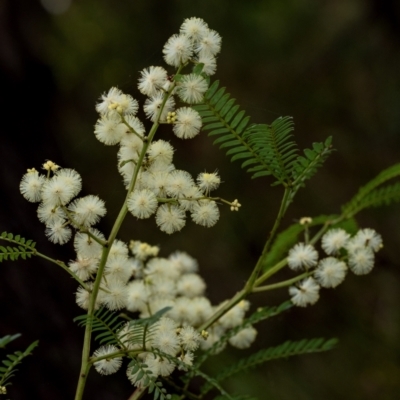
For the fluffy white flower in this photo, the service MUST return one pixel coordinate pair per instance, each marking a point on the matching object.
(107, 366)
(244, 338)
(187, 359)
(205, 213)
(188, 123)
(49, 214)
(87, 210)
(83, 297)
(118, 101)
(183, 262)
(31, 185)
(142, 203)
(334, 240)
(118, 267)
(153, 104)
(152, 79)
(187, 201)
(370, 238)
(330, 272)
(160, 151)
(361, 260)
(208, 181)
(109, 129)
(56, 191)
(191, 285)
(107, 100)
(210, 64)
(210, 44)
(137, 296)
(166, 341)
(162, 287)
(115, 294)
(306, 292)
(302, 255)
(87, 247)
(136, 124)
(191, 88)
(57, 232)
(119, 248)
(177, 50)
(189, 338)
(161, 267)
(194, 28)
(235, 315)
(178, 183)
(159, 366)
(202, 310)
(84, 268)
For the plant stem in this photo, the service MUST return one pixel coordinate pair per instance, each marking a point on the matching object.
(257, 269)
(232, 302)
(281, 284)
(137, 394)
(85, 364)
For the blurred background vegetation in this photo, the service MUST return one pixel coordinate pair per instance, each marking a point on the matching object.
(331, 64)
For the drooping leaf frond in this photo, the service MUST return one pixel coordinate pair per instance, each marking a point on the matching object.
(274, 145)
(24, 248)
(284, 350)
(107, 323)
(8, 368)
(142, 373)
(264, 149)
(373, 194)
(7, 339)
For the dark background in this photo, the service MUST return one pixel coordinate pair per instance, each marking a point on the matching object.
(333, 65)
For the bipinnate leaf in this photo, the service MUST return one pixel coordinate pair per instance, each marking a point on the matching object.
(287, 349)
(375, 193)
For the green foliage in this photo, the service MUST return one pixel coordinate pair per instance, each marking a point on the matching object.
(8, 368)
(106, 323)
(284, 350)
(264, 149)
(7, 339)
(148, 380)
(373, 195)
(25, 248)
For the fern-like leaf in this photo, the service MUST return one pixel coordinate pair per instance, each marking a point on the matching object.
(304, 167)
(24, 248)
(263, 149)
(274, 146)
(148, 379)
(106, 323)
(373, 194)
(7, 339)
(284, 350)
(8, 368)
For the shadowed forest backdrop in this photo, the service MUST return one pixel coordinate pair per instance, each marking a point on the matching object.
(333, 65)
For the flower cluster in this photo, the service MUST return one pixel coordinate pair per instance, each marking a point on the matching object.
(147, 285)
(56, 209)
(158, 187)
(344, 252)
